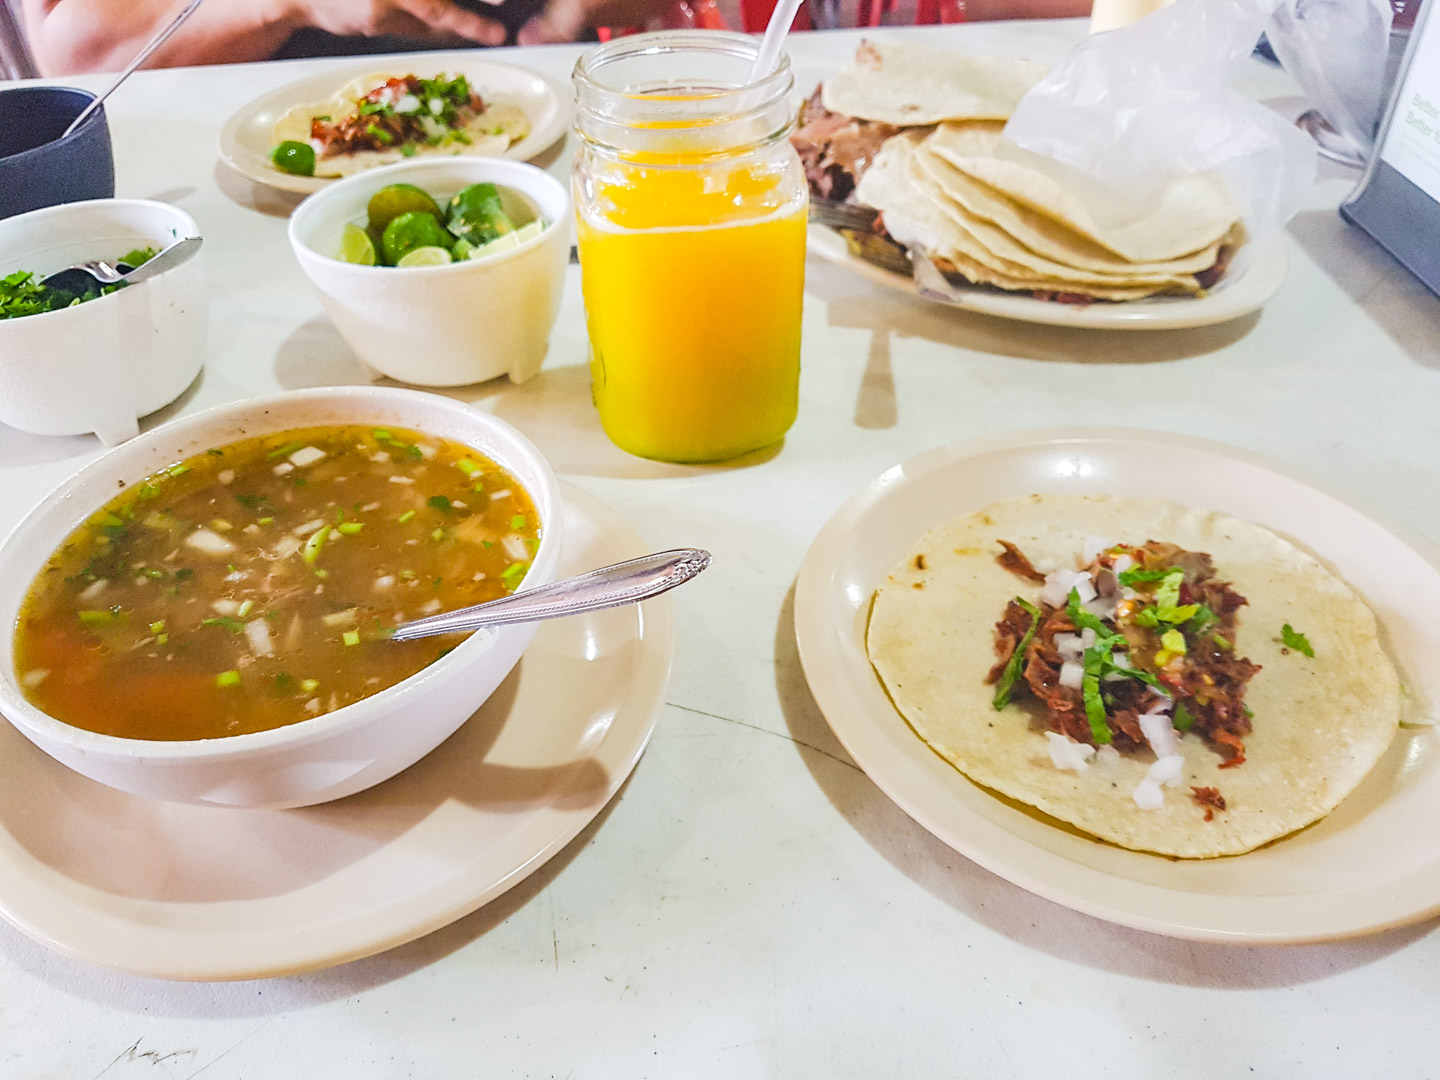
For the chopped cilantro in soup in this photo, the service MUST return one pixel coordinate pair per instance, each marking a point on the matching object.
(256, 585)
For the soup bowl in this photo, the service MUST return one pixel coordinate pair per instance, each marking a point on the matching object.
(315, 760)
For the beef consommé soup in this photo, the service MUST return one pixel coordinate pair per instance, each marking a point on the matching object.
(256, 584)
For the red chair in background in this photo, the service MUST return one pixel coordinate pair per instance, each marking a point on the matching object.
(755, 14)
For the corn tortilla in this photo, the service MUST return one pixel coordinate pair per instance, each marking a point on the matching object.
(1182, 217)
(907, 84)
(887, 187)
(1320, 723)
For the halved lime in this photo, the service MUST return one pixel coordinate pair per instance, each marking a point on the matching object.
(426, 256)
(526, 232)
(496, 246)
(411, 230)
(390, 202)
(356, 247)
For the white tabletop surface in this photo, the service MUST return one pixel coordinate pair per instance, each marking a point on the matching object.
(751, 905)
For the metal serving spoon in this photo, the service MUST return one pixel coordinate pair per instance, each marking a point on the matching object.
(611, 586)
(82, 277)
(154, 43)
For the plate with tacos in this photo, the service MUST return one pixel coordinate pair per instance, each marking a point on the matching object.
(301, 136)
(914, 186)
(1148, 677)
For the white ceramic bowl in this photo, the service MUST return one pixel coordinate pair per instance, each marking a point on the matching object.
(442, 325)
(101, 365)
(330, 756)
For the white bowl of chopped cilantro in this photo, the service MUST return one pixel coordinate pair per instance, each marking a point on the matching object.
(469, 313)
(71, 365)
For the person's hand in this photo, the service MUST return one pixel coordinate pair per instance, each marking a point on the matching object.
(566, 20)
(437, 21)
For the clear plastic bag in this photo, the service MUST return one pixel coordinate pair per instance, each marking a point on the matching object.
(1144, 104)
(1338, 51)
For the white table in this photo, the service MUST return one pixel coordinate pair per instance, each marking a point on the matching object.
(751, 905)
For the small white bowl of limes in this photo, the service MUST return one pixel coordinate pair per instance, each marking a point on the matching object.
(440, 272)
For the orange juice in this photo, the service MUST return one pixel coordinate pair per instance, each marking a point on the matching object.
(693, 293)
(691, 207)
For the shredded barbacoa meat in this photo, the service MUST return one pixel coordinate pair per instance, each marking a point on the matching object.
(1207, 681)
(376, 125)
(1014, 560)
(1210, 798)
(836, 149)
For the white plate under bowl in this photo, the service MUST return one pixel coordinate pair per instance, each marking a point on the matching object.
(1238, 293)
(248, 136)
(189, 892)
(1371, 864)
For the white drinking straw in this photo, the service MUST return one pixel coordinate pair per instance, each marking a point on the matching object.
(774, 40)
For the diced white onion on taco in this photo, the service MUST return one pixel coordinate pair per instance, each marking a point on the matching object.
(1066, 753)
(1072, 674)
(1159, 733)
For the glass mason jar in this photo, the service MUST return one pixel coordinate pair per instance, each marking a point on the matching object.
(691, 207)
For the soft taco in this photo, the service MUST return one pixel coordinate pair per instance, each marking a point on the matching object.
(380, 119)
(1168, 679)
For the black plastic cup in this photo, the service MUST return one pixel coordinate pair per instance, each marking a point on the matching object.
(39, 168)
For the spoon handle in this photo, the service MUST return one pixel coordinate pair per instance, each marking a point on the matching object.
(171, 257)
(154, 43)
(611, 586)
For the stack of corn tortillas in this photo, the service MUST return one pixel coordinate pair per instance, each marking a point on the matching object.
(996, 214)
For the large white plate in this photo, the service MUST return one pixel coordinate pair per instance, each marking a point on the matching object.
(1238, 293)
(187, 892)
(248, 136)
(1371, 864)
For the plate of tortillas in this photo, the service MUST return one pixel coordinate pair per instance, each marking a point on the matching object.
(913, 136)
(1306, 834)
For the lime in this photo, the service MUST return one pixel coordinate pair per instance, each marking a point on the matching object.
(356, 247)
(426, 256)
(510, 240)
(411, 230)
(295, 157)
(390, 202)
(462, 249)
(477, 215)
(495, 247)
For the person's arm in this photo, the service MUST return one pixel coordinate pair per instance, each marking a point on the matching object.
(69, 36)
(104, 35)
(985, 10)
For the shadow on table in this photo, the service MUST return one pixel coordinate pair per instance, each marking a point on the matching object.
(19, 448)
(855, 304)
(316, 355)
(245, 192)
(1383, 289)
(1021, 916)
